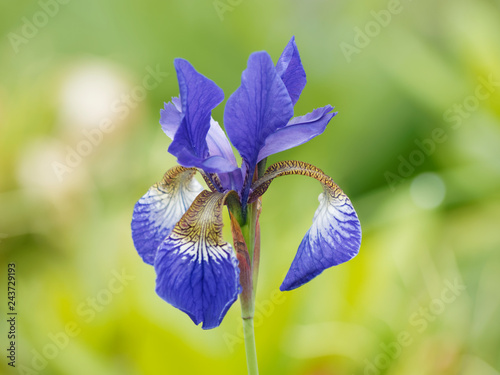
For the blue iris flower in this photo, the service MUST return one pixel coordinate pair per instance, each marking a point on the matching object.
(177, 225)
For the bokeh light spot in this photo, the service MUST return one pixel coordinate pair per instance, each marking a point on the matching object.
(427, 190)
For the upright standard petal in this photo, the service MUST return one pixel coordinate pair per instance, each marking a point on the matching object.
(335, 235)
(197, 271)
(299, 130)
(199, 95)
(217, 142)
(259, 107)
(157, 212)
(291, 71)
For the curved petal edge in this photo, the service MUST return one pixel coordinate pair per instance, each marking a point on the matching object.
(197, 271)
(334, 238)
(259, 107)
(290, 69)
(157, 212)
(298, 131)
(335, 235)
(198, 96)
(171, 117)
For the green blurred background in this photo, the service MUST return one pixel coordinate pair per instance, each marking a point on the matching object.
(416, 146)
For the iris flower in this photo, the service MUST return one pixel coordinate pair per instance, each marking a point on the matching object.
(177, 224)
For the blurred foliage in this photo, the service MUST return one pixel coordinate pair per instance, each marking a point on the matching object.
(69, 234)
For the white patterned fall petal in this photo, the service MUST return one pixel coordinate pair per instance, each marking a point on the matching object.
(334, 238)
(157, 212)
(197, 271)
(335, 235)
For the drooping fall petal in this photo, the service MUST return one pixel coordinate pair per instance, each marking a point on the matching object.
(197, 271)
(335, 235)
(157, 212)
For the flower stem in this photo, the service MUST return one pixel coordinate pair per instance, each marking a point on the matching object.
(256, 256)
(251, 352)
(246, 238)
(252, 224)
(240, 239)
(248, 309)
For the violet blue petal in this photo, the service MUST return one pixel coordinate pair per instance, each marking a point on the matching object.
(199, 95)
(299, 130)
(197, 271)
(259, 107)
(291, 71)
(218, 144)
(157, 212)
(334, 238)
(171, 117)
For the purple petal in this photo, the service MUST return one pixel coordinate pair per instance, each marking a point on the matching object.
(335, 235)
(218, 144)
(291, 71)
(299, 130)
(157, 212)
(211, 164)
(334, 238)
(199, 96)
(259, 107)
(171, 117)
(197, 272)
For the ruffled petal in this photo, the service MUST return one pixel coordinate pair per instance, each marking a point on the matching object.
(197, 271)
(171, 117)
(199, 95)
(335, 235)
(259, 107)
(299, 130)
(157, 212)
(291, 71)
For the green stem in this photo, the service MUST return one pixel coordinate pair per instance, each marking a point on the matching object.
(246, 239)
(248, 331)
(242, 238)
(248, 296)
